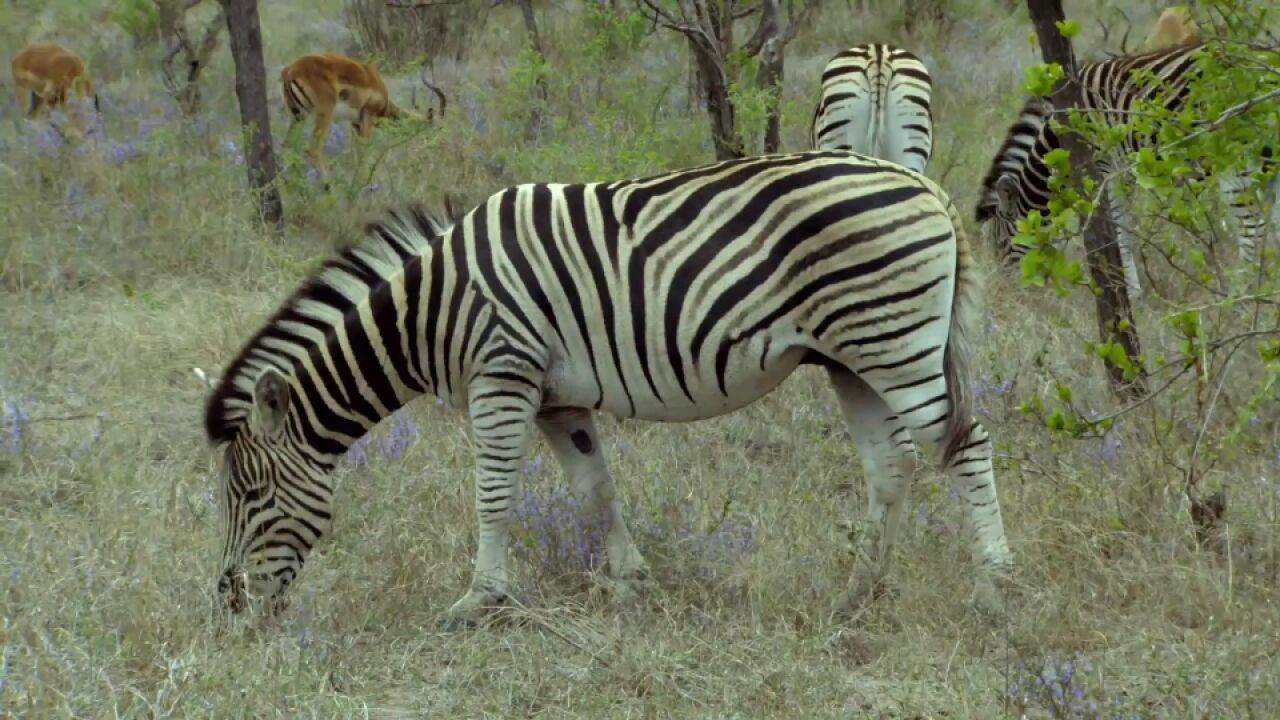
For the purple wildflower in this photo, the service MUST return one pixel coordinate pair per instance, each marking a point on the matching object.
(121, 152)
(17, 417)
(44, 138)
(357, 454)
(403, 435)
(338, 139)
(232, 150)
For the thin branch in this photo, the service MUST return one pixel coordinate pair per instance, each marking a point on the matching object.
(1226, 115)
(411, 4)
(64, 418)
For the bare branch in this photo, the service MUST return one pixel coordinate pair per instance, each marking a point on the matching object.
(412, 4)
(1226, 115)
(796, 22)
(1124, 40)
(444, 102)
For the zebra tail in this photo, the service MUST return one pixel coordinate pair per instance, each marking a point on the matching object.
(957, 356)
(876, 120)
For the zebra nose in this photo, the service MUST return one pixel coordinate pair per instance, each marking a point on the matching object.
(231, 591)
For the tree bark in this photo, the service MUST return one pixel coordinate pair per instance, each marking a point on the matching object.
(251, 90)
(539, 82)
(195, 56)
(720, 115)
(1102, 253)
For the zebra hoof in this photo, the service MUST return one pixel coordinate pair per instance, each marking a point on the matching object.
(474, 607)
(863, 592)
(627, 593)
(989, 601)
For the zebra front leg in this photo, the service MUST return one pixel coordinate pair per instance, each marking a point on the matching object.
(502, 412)
(889, 462)
(1124, 237)
(572, 435)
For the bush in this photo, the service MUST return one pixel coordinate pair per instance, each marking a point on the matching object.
(403, 35)
(140, 19)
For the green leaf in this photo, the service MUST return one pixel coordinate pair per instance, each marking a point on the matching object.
(1068, 28)
(1064, 393)
(1041, 78)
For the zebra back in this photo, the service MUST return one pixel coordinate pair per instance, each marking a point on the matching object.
(1111, 88)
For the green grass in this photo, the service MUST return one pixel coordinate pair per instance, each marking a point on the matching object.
(117, 279)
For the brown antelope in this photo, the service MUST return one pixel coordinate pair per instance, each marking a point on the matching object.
(331, 85)
(1175, 27)
(43, 76)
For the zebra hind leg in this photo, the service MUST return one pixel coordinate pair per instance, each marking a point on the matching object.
(575, 442)
(917, 394)
(502, 419)
(1249, 208)
(889, 461)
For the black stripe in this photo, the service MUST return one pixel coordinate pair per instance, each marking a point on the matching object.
(750, 283)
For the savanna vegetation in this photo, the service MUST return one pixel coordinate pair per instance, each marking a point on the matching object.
(1145, 527)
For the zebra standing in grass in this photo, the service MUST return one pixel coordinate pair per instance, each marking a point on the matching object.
(876, 101)
(1018, 180)
(671, 298)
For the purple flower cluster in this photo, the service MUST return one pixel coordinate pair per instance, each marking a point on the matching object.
(338, 139)
(985, 387)
(79, 203)
(43, 138)
(119, 153)
(16, 418)
(402, 435)
(232, 151)
(1059, 687)
(552, 532)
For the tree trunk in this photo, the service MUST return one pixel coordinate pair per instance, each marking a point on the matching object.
(539, 82)
(720, 117)
(771, 72)
(1102, 252)
(251, 91)
(195, 56)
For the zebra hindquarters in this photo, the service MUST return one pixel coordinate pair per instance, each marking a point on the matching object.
(907, 136)
(846, 121)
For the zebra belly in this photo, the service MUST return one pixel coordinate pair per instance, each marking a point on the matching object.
(753, 368)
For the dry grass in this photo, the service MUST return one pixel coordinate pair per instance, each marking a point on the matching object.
(120, 277)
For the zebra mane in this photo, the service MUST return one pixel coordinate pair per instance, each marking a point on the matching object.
(1019, 144)
(323, 301)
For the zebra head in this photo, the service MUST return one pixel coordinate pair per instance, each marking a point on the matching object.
(276, 500)
(1001, 217)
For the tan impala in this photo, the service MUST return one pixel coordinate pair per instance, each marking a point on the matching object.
(1175, 27)
(330, 86)
(44, 75)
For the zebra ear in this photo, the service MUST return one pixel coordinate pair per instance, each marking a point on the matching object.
(270, 402)
(1007, 195)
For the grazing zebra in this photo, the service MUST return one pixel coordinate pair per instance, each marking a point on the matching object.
(876, 101)
(670, 298)
(1018, 180)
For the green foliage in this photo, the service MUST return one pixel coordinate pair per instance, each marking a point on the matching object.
(610, 34)
(1041, 78)
(751, 103)
(139, 18)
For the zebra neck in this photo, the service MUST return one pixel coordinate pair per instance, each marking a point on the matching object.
(388, 348)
